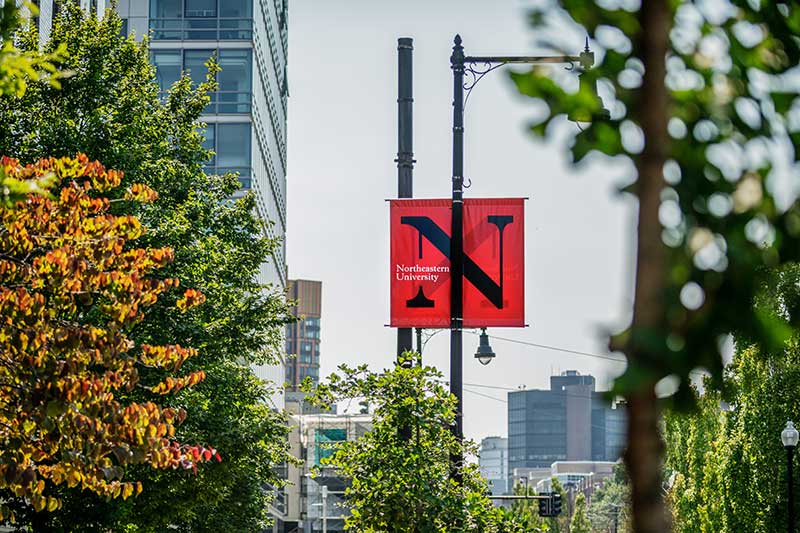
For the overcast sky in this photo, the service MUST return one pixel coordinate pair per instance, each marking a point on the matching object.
(342, 143)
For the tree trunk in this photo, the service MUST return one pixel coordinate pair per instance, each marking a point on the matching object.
(644, 455)
(643, 459)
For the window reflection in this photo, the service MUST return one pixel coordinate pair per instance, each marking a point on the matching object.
(234, 80)
(165, 8)
(208, 20)
(194, 63)
(201, 8)
(231, 142)
(168, 67)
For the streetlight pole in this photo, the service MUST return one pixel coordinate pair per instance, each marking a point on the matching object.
(789, 437)
(457, 253)
(524, 482)
(458, 64)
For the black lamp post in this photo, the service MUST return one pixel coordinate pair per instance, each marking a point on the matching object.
(789, 437)
(477, 67)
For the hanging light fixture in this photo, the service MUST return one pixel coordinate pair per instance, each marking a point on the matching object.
(485, 354)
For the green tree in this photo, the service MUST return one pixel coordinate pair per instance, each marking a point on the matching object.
(609, 509)
(400, 484)
(560, 524)
(64, 259)
(732, 476)
(580, 518)
(110, 109)
(525, 512)
(17, 69)
(700, 104)
(726, 459)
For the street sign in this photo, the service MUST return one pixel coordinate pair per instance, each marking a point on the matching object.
(494, 267)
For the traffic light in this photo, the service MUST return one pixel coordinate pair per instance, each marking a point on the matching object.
(544, 504)
(555, 504)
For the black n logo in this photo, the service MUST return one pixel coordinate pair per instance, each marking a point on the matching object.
(441, 241)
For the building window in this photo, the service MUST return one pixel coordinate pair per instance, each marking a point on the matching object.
(235, 79)
(168, 65)
(200, 8)
(327, 442)
(231, 144)
(203, 20)
(311, 327)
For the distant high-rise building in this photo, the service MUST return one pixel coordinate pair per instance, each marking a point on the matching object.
(493, 462)
(569, 422)
(302, 337)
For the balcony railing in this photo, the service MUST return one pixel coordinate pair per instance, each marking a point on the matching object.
(202, 29)
(226, 102)
(230, 102)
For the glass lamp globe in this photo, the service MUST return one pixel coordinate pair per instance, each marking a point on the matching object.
(789, 436)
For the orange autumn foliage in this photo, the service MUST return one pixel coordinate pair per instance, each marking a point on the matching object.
(71, 286)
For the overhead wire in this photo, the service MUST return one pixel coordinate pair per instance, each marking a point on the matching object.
(555, 348)
(697, 373)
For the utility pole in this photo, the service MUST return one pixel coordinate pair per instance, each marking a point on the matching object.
(405, 151)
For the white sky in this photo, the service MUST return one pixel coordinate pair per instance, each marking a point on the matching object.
(342, 145)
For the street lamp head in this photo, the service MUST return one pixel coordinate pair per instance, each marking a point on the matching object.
(789, 435)
(589, 86)
(586, 58)
(485, 354)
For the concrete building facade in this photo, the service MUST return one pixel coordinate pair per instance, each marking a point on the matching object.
(493, 463)
(576, 477)
(569, 422)
(312, 503)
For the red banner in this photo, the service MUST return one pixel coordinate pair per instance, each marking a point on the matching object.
(494, 267)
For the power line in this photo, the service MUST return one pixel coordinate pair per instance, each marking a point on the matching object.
(506, 401)
(556, 348)
(589, 396)
(486, 395)
(697, 373)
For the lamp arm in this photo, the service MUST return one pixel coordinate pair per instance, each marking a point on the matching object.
(479, 66)
(528, 60)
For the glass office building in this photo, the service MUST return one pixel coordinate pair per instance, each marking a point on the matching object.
(493, 462)
(247, 114)
(569, 422)
(246, 118)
